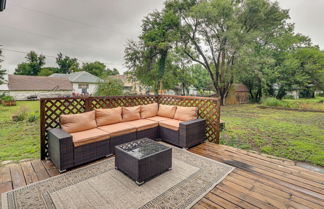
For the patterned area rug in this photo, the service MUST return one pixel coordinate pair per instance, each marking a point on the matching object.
(101, 186)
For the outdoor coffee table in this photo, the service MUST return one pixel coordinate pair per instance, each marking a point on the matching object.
(143, 159)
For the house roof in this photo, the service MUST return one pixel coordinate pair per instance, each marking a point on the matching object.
(79, 77)
(40, 83)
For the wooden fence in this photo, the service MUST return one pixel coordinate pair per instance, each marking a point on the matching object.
(52, 108)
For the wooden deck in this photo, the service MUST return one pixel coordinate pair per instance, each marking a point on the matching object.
(258, 181)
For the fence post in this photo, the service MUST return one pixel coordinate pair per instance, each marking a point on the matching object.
(42, 129)
(87, 104)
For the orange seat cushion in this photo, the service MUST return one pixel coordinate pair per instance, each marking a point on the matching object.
(143, 124)
(131, 113)
(89, 136)
(157, 118)
(171, 124)
(118, 129)
(78, 122)
(167, 111)
(108, 116)
(186, 113)
(149, 110)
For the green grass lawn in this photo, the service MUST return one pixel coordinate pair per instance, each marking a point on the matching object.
(289, 134)
(19, 140)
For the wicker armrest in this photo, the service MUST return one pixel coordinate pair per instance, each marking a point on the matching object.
(192, 132)
(60, 148)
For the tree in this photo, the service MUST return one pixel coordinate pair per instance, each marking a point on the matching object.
(200, 79)
(109, 72)
(148, 57)
(2, 71)
(32, 66)
(67, 64)
(47, 71)
(95, 68)
(306, 69)
(213, 33)
(110, 87)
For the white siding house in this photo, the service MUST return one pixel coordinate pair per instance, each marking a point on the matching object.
(83, 82)
(22, 87)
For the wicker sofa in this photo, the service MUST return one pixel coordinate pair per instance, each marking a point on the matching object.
(92, 135)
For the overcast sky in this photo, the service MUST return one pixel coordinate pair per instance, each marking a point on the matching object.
(99, 29)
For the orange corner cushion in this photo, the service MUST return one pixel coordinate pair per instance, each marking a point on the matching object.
(167, 111)
(118, 129)
(143, 124)
(157, 118)
(78, 122)
(89, 136)
(171, 124)
(186, 113)
(108, 116)
(149, 110)
(131, 113)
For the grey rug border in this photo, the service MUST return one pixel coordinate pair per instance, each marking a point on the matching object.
(4, 195)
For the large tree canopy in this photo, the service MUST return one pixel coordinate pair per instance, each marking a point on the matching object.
(32, 66)
(215, 32)
(67, 64)
(247, 41)
(147, 59)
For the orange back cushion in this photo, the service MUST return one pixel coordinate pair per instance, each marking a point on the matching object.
(78, 122)
(167, 111)
(149, 110)
(108, 116)
(131, 113)
(186, 113)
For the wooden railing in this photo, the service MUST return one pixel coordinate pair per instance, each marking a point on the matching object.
(52, 108)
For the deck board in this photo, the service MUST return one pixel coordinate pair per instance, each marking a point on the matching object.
(259, 181)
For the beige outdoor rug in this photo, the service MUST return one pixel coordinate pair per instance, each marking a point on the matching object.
(101, 186)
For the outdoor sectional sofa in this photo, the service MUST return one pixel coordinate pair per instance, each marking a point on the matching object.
(92, 135)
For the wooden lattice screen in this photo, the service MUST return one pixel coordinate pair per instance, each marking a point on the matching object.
(52, 108)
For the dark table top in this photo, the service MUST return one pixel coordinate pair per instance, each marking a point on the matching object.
(142, 148)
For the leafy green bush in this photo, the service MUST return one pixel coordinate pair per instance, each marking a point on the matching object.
(110, 87)
(21, 115)
(2, 95)
(7, 98)
(289, 97)
(273, 102)
(32, 118)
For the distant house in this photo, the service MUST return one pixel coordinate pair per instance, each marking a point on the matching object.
(23, 87)
(83, 82)
(238, 94)
(131, 86)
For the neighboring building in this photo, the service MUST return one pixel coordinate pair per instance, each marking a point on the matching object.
(83, 82)
(238, 94)
(131, 86)
(23, 87)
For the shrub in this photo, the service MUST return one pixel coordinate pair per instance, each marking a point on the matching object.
(32, 118)
(8, 98)
(110, 87)
(273, 102)
(289, 97)
(2, 95)
(21, 114)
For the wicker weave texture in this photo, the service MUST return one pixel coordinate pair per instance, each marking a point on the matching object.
(52, 108)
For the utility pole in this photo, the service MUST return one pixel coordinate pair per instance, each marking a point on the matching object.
(2, 5)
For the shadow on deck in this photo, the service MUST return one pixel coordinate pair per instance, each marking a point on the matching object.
(258, 181)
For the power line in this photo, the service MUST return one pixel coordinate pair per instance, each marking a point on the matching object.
(25, 52)
(105, 28)
(76, 44)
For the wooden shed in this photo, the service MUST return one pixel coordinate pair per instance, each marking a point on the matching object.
(238, 94)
